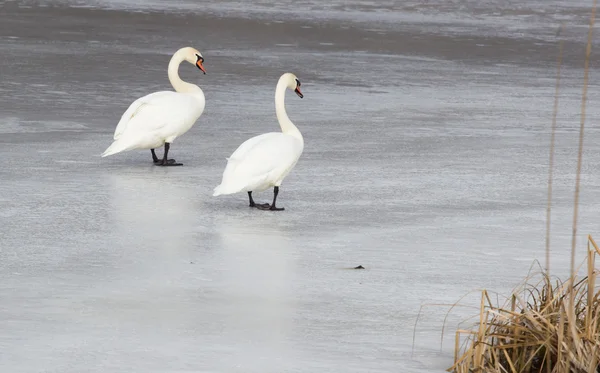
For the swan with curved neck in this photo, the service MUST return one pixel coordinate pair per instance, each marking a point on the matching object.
(264, 161)
(159, 118)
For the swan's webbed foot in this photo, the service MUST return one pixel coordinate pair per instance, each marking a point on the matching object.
(268, 207)
(167, 162)
(164, 161)
(261, 206)
(159, 162)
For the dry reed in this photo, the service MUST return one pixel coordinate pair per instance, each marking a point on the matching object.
(588, 52)
(536, 331)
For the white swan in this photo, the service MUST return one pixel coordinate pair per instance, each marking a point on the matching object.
(265, 160)
(158, 118)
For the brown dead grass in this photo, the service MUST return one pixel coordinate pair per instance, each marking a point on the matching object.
(548, 326)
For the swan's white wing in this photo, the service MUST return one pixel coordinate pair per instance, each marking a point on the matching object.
(134, 108)
(157, 120)
(266, 160)
(167, 115)
(248, 144)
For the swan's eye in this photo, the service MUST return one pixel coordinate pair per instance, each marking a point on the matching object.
(201, 59)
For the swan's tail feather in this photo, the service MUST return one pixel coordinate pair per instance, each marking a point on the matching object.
(115, 147)
(218, 190)
(223, 189)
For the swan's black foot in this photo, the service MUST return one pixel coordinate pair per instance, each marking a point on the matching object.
(168, 163)
(261, 206)
(160, 161)
(267, 207)
(165, 161)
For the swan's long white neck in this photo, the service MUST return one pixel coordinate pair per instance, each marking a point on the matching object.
(178, 84)
(286, 124)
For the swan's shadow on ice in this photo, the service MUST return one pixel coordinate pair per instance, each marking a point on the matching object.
(256, 270)
(140, 205)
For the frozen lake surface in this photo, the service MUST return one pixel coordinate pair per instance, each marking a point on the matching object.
(426, 159)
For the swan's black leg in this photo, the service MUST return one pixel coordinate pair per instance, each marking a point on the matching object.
(168, 162)
(257, 205)
(156, 160)
(272, 207)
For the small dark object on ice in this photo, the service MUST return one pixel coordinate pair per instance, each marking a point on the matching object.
(359, 267)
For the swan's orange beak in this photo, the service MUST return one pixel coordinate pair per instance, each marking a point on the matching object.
(298, 92)
(199, 65)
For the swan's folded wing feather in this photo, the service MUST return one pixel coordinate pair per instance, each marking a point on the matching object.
(248, 144)
(162, 103)
(268, 156)
(155, 111)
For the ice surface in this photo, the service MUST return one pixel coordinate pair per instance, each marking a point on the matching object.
(425, 161)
